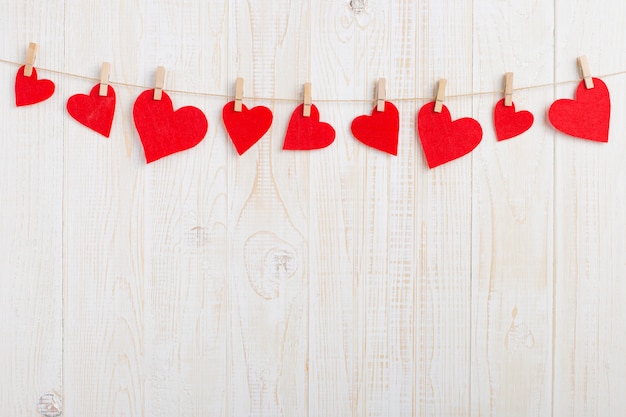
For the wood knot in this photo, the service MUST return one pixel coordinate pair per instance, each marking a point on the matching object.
(357, 6)
(270, 261)
(518, 337)
(198, 237)
(49, 405)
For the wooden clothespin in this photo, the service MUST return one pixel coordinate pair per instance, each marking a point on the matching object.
(441, 95)
(160, 82)
(381, 94)
(238, 94)
(104, 79)
(584, 68)
(508, 89)
(30, 59)
(306, 111)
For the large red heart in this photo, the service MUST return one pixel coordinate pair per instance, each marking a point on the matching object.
(510, 123)
(94, 111)
(306, 133)
(164, 131)
(444, 140)
(30, 90)
(246, 127)
(587, 116)
(380, 130)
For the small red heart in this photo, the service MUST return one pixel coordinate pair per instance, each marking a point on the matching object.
(94, 111)
(246, 127)
(164, 131)
(444, 140)
(306, 133)
(30, 90)
(510, 123)
(587, 116)
(380, 130)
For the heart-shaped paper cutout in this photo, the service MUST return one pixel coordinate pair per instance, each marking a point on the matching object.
(510, 123)
(307, 133)
(380, 130)
(94, 111)
(444, 140)
(246, 127)
(30, 90)
(587, 116)
(164, 131)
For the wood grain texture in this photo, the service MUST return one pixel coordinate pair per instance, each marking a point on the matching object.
(31, 224)
(402, 334)
(336, 322)
(268, 195)
(337, 282)
(589, 224)
(186, 217)
(104, 204)
(512, 195)
(443, 218)
(149, 281)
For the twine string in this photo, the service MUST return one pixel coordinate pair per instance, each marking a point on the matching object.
(294, 100)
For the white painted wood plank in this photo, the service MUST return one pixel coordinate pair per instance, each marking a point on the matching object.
(145, 318)
(104, 327)
(186, 238)
(374, 212)
(512, 217)
(31, 185)
(590, 229)
(401, 214)
(350, 285)
(365, 187)
(268, 195)
(443, 222)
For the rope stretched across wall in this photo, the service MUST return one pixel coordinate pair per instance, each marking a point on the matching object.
(296, 100)
(164, 131)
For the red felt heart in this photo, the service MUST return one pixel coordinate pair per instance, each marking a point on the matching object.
(444, 140)
(94, 111)
(164, 131)
(246, 127)
(510, 123)
(380, 130)
(30, 90)
(306, 133)
(587, 116)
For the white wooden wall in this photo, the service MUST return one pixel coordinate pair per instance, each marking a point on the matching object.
(339, 282)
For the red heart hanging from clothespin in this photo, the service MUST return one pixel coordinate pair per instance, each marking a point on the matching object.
(444, 140)
(93, 110)
(510, 123)
(587, 116)
(164, 131)
(246, 127)
(380, 130)
(30, 90)
(307, 132)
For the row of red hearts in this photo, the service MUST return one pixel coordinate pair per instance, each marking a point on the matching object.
(164, 131)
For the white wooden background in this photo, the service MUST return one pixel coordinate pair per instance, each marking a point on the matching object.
(340, 282)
